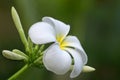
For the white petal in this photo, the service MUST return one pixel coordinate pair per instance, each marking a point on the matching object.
(61, 28)
(57, 60)
(41, 33)
(78, 63)
(72, 41)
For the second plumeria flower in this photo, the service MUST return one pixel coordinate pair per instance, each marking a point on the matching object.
(65, 50)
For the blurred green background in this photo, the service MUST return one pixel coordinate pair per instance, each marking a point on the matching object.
(95, 22)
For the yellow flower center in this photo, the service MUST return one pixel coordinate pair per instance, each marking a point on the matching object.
(61, 42)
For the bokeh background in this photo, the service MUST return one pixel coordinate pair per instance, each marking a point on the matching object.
(95, 22)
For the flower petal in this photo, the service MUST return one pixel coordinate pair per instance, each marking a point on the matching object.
(78, 63)
(41, 33)
(57, 60)
(72, 41)
(61, 28)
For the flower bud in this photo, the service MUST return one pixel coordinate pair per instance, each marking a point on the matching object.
(13, 56)
(19, 52)
(88, 69)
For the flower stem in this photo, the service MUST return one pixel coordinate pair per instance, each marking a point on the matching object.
(17, 74)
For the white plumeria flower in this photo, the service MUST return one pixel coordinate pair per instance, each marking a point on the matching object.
(58, 57)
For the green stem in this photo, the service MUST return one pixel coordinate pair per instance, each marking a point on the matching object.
(38, 60)
(17, 74)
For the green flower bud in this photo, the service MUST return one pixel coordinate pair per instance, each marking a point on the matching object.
(19, 52)
(18, 25)
(13, 56)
